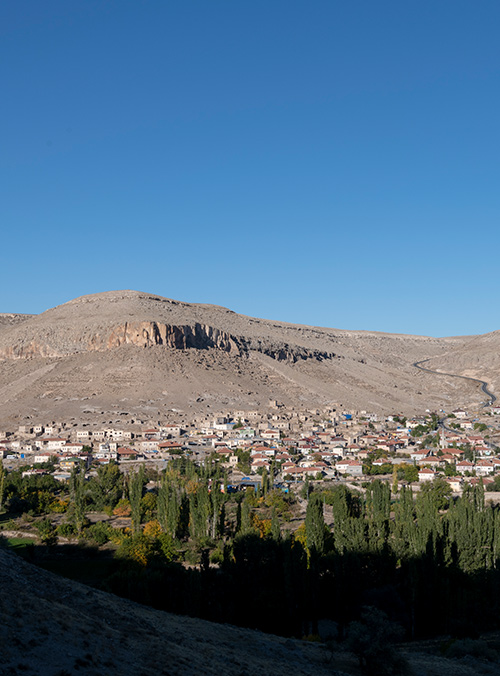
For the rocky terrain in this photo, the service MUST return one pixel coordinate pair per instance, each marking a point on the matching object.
(139, 353)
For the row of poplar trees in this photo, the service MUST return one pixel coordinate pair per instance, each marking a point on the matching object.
(430, 562)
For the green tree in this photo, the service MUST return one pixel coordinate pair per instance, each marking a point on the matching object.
(315, 524)
(410, 473)
(439, 492)
(77, 497)
(2, 484)
(450, 469)
(265, 482)
(200, 511)
(168, 507)
(135, 489)
(46, 531)
(148, 506)
(243, 461)
(372, 639)
(275, 526)
(107, 487)
(246, 516)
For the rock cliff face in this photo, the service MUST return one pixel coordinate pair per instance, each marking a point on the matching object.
(149, 334)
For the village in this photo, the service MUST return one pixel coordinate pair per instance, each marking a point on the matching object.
(290, 445)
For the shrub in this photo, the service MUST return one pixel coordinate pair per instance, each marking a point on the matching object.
(217, 555)
(371, 641)
(123, 508)
(99, 532)
(138, 548)
(46, 531)
(474, 648)
(58, 506)
(66, 530)
(152, 529)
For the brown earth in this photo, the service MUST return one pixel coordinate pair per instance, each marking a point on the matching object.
(127, 351)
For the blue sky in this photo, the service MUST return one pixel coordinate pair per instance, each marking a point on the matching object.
(326, 163)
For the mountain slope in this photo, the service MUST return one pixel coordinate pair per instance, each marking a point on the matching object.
(148, 354)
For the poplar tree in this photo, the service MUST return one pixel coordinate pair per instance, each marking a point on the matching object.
(200, 512)
(315, 524)
(265, 482)
(135, 487)
(2, 484)
(77, 495)
(275, 526)
(222, 520)
(217, 501)
(168, 507)
(246, 512)
(238, 517)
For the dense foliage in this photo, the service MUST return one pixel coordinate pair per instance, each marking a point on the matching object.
(431, 564)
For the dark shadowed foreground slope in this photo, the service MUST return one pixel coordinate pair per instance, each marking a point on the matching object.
(50, 626)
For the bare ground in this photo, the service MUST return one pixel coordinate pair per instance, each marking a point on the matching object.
(95, 366)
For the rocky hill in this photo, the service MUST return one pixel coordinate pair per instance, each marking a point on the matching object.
(141, 352)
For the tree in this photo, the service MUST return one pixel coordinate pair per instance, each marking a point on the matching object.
(410, 473)
(77, 495)
(2, 484)
(378, 500)
(246, 516)
(315, 524)
(135, 488)
(439, 492)
(450, 469)
(168, 507)
(47, 532)
(275, 526)
(200, 512)
(371, 640)
(148, 506)
(243, 461)
(106, 488)
(265, 482)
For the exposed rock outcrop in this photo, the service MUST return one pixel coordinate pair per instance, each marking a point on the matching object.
(148, 334)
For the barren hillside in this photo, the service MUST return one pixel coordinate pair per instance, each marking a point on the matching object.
(143, 353)
(478, 357)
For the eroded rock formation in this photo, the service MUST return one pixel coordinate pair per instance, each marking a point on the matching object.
(149, 334)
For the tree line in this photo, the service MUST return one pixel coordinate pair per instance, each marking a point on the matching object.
(431, 563)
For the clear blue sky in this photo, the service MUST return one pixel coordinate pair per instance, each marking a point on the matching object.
(329, 163)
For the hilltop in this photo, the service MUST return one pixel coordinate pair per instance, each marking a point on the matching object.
(147, 354)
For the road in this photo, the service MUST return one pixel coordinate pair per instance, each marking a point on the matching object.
(484, 385)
